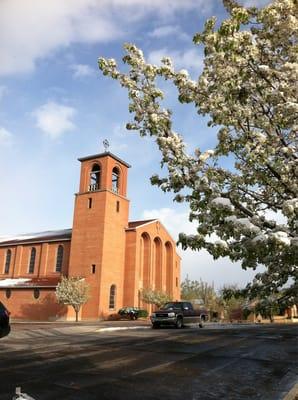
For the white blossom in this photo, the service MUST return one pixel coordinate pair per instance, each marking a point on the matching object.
(222, 202)
(248, 88)
(203, 157)
(221, 243)
(281, 237)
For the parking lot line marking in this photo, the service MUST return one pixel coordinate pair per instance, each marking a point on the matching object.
(155, 367)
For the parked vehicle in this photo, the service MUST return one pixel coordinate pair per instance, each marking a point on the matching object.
(131, 312)
(4, 320)
(178, 313)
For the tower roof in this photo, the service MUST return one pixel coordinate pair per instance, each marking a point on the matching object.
(105, 154)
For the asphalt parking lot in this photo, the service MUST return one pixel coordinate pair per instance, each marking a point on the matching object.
(93, 361)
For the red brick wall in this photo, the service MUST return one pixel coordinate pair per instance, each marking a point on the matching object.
(98, 236)
(45, 261)
(150, 247)
(24, 306)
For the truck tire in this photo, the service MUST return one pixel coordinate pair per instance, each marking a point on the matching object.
(155, 325)
(179, 323)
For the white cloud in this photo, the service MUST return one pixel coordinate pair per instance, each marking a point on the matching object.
(54, 119)
(82, 70)
(164, 8)
(168, 30)
(32, 30)
(174, 222)
(6, 137)
(189, 59)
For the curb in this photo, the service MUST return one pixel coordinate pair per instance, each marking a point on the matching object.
(122, 328)
(293, 393)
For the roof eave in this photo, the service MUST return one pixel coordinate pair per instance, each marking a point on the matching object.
(105, 154)
(34, 241)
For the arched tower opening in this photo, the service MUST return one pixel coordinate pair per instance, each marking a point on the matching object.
(95, 177)
(115, 180)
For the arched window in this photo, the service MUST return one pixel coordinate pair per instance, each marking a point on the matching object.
(7, 261)
(32, 260)
(94, 178)
(59, 259)
(112, 301)
(115, 179)
(169, 268)
(157, 248)
(146, 256)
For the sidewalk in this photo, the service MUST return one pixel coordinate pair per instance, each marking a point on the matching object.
(23, 329)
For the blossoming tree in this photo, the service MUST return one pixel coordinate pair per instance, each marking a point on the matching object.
(156, 297)
(73, 291)
(248, 88)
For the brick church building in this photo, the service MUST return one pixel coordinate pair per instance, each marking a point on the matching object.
(115, 256)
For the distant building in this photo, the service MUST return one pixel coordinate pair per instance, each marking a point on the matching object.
(116, 257)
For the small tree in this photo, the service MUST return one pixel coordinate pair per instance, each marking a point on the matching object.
(158, 298)
(73, 291)
(231, 300)
(267, 308)
(199, 290)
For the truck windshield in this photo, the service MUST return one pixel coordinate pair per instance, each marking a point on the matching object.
(171, 306)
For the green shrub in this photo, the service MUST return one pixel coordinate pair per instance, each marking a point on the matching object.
(142, 313)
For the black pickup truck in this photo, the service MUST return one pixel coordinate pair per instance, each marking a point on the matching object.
(177, 313)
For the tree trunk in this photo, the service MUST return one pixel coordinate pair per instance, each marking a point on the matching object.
(77, 309)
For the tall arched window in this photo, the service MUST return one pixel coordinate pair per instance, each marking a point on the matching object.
(112, 301)
(158, 263)
(32, 260)
(169, 268)
(146, 270)
(59, 259)
(115, 179)
(94, 178)
(7, 261)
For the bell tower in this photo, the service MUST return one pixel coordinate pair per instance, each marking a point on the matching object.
(98, 234)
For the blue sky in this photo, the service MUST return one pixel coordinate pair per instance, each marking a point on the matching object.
(55, 106)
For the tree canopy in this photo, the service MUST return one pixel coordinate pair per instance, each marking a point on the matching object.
(199, 290)
(248, 88)
(156, 297)
(73, 291)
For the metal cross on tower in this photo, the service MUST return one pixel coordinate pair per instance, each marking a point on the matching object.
(106, 144)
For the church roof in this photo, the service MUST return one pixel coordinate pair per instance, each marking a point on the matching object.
(106, 153)
(10, 283)
(136, 224)
(47, 236)
(56, 235)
